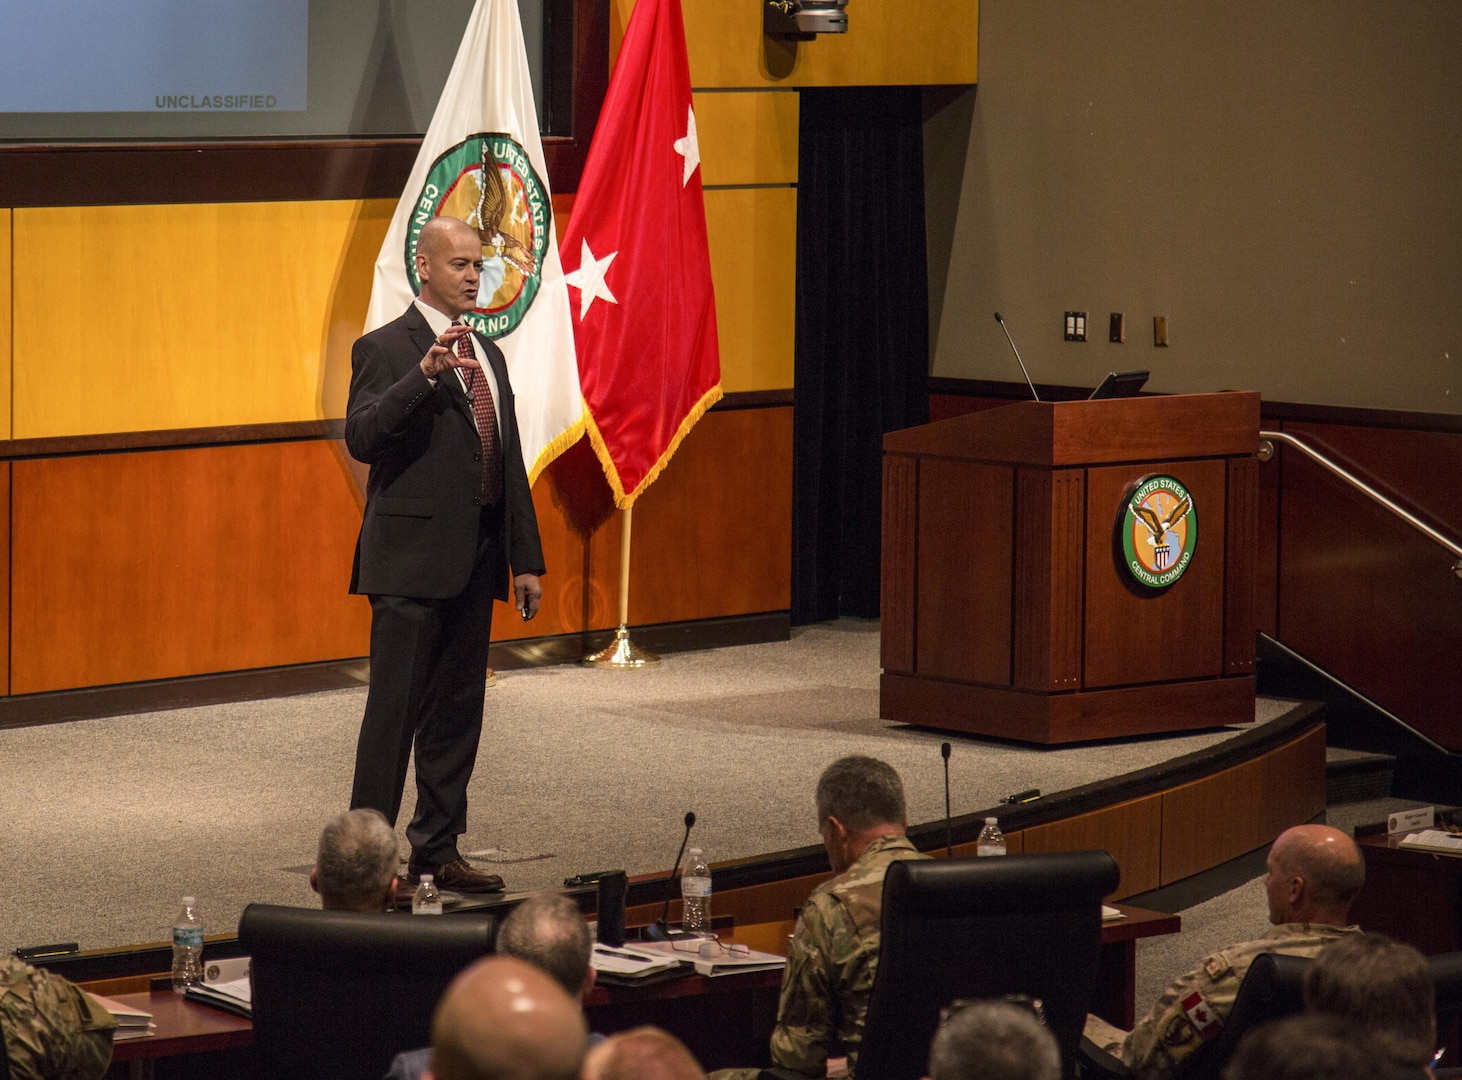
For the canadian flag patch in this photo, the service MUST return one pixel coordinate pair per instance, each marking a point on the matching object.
(1205, 1020)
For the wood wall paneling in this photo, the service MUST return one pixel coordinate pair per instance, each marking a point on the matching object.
(153, 565)
(899, 569)
(6, 320)
(1212, 820)
(1363, 595)
(216, 314)
(753, 239)
(1267, 545)
(747, 137)
(713, 535)
(1048, 578)
(1178, 632)
(1240, 565)
(5, 468)
(963, 602)
(917, 42)
(1127, 830)
(1294, 783)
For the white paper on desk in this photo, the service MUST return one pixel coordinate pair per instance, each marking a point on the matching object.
(122, 1034)
(735, 965)
(1111, 914)
(1433, 840)
(125, 1015)
(726, 964)
(240, 991)
(630, 960)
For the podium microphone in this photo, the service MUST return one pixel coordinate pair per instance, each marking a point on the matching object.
(1018, 360)
(948, 821)
(659, 929)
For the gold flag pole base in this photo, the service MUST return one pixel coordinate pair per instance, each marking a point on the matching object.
(621, 653)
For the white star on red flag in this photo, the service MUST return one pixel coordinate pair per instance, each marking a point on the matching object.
(589, 278)
(688, 146)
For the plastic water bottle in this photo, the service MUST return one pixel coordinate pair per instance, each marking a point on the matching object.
(427, 900)
(187, 947)
(991, 840)
(695, 894)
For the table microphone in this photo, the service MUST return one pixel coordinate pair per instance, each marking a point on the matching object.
(1018, 360)
(659, 929)
(948, 822)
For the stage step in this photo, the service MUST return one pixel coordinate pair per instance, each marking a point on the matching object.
(1353, 776)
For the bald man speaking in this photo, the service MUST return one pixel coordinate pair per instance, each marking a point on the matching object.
(448, 513)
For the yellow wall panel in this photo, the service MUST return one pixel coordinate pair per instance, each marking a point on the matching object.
(904, 43)
(5, 323)
(747, 137)
(205, 315)
(753, 239)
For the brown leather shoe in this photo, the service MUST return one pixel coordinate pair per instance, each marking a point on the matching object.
(401, 898)
(457, 876)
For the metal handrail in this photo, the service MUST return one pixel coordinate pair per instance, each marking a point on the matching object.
(1267, 439)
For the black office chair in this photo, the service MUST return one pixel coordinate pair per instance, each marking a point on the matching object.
(980, 928)
(336, 994)
(1272, 988)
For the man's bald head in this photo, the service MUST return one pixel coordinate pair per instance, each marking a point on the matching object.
(503, 1019)
(1315, 873)
(643, 1053)
(441, 232)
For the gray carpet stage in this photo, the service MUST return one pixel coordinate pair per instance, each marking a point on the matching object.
(107, 822)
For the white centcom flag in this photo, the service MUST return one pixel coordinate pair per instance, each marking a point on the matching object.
(482, 161)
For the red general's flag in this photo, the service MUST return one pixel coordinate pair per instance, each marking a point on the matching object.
(636, 260)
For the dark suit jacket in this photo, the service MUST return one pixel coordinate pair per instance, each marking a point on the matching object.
(419, 534)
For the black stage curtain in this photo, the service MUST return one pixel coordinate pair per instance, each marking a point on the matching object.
(862, 353)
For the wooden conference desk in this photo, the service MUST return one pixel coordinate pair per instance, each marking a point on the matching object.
(726, 1021)
(1410, 895)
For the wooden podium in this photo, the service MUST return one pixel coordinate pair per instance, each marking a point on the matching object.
(1008, 606)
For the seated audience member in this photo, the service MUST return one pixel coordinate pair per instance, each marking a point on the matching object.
(545, 930)
(1312, 1047)
(1381, 989)
(643, 1053)
(834, 950)
(1314, 875)
(993, 1040)
(502, 1019)
(52, 1030)
(355, 869)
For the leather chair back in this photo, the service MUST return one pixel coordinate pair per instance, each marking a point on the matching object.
(338, 994)
(981, 928)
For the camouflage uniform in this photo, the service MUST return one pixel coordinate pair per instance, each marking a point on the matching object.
(52, 1030)
(831, 962)
(1194, 1006)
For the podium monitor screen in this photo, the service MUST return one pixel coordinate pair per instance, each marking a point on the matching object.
(1120, 384)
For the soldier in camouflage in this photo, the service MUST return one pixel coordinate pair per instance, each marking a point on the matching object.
(834, 951)
(52, 1030)
(1315, 873)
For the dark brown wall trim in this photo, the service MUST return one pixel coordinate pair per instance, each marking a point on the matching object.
(240, 434)
(115, 174)
(129, 441)
(1269, 410)
(755, 399)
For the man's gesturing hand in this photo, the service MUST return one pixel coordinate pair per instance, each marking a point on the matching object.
(443, 354)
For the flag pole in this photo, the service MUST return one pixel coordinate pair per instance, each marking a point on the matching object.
(622, 652)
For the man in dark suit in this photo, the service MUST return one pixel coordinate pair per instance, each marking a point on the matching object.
(448, 511)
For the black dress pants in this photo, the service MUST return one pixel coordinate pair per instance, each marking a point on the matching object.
(428, 680)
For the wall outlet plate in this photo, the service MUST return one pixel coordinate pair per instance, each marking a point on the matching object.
(1117, 328)
(1160, 331)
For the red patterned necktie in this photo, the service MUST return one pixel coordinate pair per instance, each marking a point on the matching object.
(479, 390)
